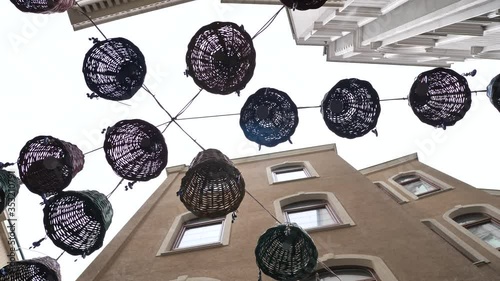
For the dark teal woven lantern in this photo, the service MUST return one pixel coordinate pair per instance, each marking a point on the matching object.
(37, 269)
(493, 91)
(286, 252)
(9, 188)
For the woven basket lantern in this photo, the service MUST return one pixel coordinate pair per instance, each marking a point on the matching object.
(493, 91)
(221, 58)
(114, 69)
(286, 252)
(212, 187)
(9, 188)
(77, 221)
(303, 5)
(37, 269)
(351, 108)
(47, 165)
(43, 6)
(440, 97)
(269, 117)
(135, 150)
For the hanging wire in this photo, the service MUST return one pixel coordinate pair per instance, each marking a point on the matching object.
(268, 23)
(329, 270)
(90, 19)
(60, 255)
(393, 99)
(115, 188)
(262, 206)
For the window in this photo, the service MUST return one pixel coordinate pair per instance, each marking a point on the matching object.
(311, 214)
(189, 233)
(483, 226)
(416, 184)
(290, 171)
(346, 274)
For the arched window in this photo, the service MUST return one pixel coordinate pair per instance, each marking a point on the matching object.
(290, 171)
(351, 273)
(311, 214)
(417, 184)
(484, 226)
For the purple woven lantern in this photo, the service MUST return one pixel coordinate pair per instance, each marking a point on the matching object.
(47, 165)
(43, 6)
(303, 5)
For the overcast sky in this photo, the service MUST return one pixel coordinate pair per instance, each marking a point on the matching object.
(44, 93)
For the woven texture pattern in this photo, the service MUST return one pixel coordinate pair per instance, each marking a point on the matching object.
(136, 150)
(351, 108)
(221, 58)
(47, 165)
(440, 97)
(37, 269)
(493, 91)
(9, 188)
(114, 69)
(269, 117)
(43, 6)
(303, 5)
(77, 221)
(286, 252)
(212, 187)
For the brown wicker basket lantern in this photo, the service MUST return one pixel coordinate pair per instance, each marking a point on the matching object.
(77, 221)
(213, 186)
(440, 97)
(303, 5)
(9, 188)
(135, 150)
(493, 91)
(269, 117)
(43, 6)
(114, 69)
(221, 58)
(286, 252)
(351, 108)
(37, 269)
(47, 165)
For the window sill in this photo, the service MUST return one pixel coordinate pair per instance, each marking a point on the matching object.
(328, 227)
(288, 181)
(432, 193)
(190, 249)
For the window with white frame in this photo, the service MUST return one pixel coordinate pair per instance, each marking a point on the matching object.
(311, 214)
(290, 171)
(483, 226)
(199, 232)
(345, 273)
(417, 184)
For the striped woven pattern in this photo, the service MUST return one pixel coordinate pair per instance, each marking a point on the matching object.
(9, 188)
(221, 58)
(43, 6)
(77, 221)
(47, 165)
(37, 269)
(493, 92)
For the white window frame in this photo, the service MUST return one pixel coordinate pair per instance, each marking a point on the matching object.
(426, 177)
(320, 204)
(291, 166)
(374, 263)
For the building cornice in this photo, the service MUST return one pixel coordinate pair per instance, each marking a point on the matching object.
(389, 164)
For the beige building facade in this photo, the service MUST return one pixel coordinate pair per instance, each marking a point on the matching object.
(398, 221)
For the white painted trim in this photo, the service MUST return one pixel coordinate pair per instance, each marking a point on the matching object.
(473, 208)
(389, 164)
(310, 171)
(373, 262)
(389, 188)
(444, 186)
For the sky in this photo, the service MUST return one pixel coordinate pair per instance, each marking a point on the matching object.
(44, 93)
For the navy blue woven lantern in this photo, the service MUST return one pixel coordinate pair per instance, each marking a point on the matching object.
(493, 91)
(269, 117)
(440, 97)
(351, 108)
(303, 5)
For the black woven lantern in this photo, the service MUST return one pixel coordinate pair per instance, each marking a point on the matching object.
(351, 108)
(114, 69)
(221, 58)
(286, 252)
(37, 269)
(493, 91)
(77, 221)
(212, 187)
(136, 150)
(47, 165)
(269, 117)
(440, 97)
(9, 188)
(303, 5)
(43, 6)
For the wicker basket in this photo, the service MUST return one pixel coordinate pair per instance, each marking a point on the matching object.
(440, 97)
(37, 269)
(269, 117)
(114, 69)
(9, 188)
(77, 221)
(212, 187)
(286, 252)
(303, 5)
(136, 150)
(493, 91)
(221, 58)
(351, 108)
(47, 165)
(43, 6)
